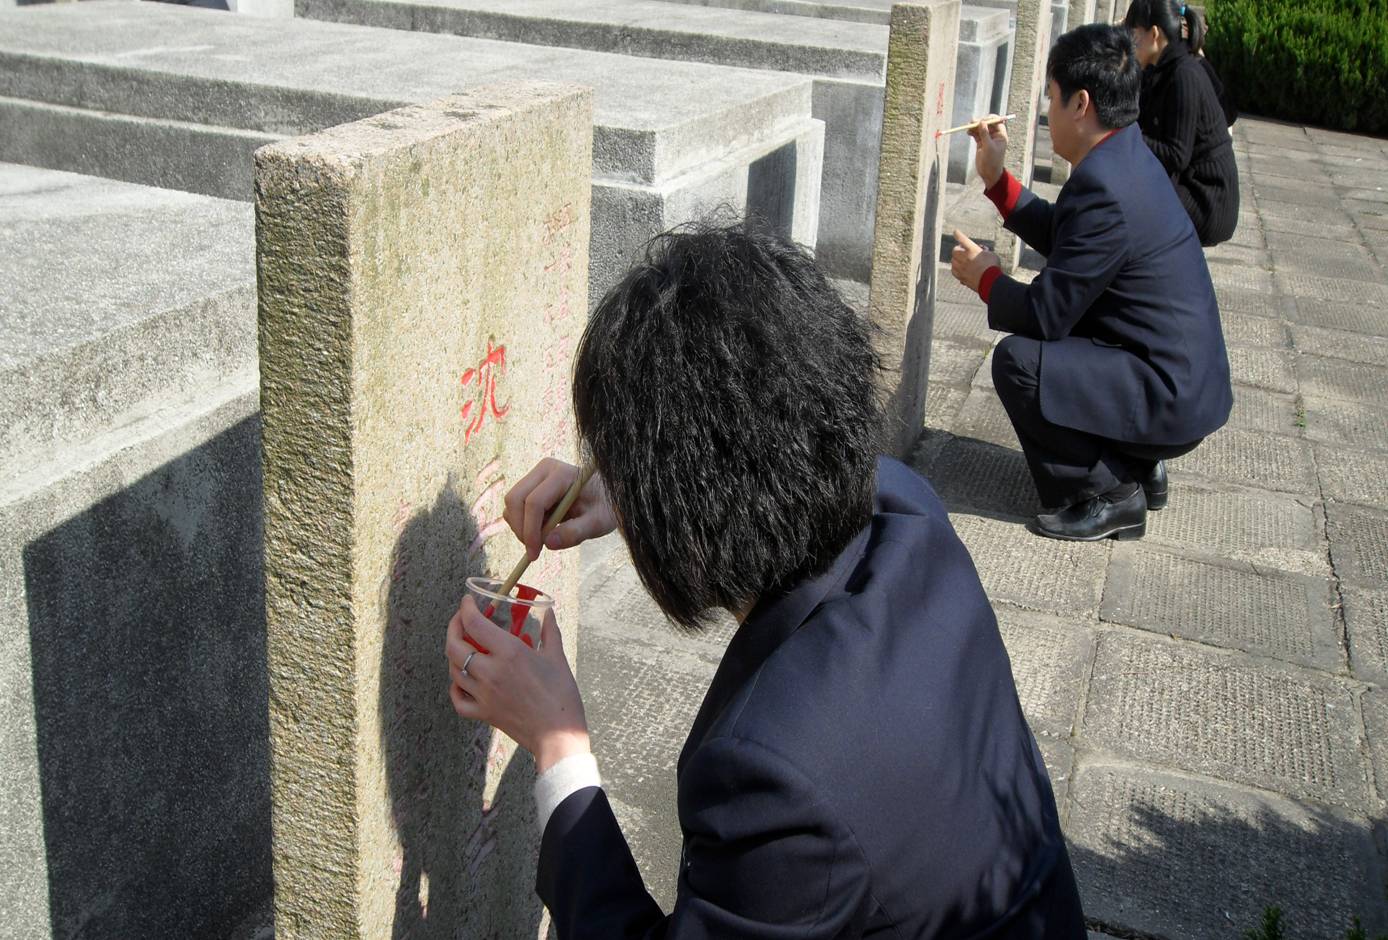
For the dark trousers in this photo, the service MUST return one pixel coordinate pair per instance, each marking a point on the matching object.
(1067, 465)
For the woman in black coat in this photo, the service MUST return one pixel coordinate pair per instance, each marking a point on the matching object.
(1182, 116)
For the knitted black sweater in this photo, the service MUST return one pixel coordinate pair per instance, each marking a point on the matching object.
(1183, 123)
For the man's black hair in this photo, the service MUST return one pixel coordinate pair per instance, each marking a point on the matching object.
(730, 401)
(1101, 60)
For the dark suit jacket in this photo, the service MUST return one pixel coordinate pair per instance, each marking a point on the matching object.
(1133, 348)
(860, 767)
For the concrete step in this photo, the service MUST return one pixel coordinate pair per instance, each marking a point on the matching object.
(175, 96)
(118, 298)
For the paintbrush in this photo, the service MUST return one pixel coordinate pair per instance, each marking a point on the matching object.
(972, 124)
(555, 517)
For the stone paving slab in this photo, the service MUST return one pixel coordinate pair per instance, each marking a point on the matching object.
(972, 474)
(1340, 344)
(1234, 253)
(955, 362)
(1283, 616)
(962, 321)
(1366, 623)
(1251, 458)
(1223, 715)
(1241, 277)
(1246, 525)
(1352, 424)
(1315, 219)
(1375, 706)
(1059, 758)
(1050, 664)
(1333, 289)
(1031, 572)
(1240, 300)
(1258, 410)
(1348, 262)
(942, 404)
(1262, 368)
(1354, 318)
(1358, 544)
(1274, 191)
(1341, 231)
(983, 418)
(1323, 377)
(1245, 329)
(1166, 855)
(1353, 476)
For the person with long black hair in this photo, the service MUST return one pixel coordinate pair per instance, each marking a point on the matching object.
(1182, 115)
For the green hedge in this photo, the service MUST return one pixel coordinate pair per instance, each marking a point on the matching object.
(1321, 62)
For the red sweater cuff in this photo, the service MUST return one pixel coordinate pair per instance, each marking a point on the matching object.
(985, 283)
(1005, 193)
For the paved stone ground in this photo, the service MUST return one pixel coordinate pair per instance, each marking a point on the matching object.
(1212, 700)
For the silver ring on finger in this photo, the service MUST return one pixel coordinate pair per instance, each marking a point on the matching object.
(466, 662)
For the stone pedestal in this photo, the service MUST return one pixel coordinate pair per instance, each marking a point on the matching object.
(1031, 44)
(979, 82)
(422, 285)
(911, 179)
(1081, 12)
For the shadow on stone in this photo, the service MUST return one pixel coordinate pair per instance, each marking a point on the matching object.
(1169, 857)
(147, 631)
(460, 872)
(978, 477)
(771, 189)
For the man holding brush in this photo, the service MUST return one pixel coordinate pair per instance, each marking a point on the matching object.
(860, 765)
(1116, 361)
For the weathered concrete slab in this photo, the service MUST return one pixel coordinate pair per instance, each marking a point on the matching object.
(446, 249)
(135, 796)
(1375, 705)
(1031, 572)
(1366, 623)
(1323, 377)
(1241, 277)
(1269, 369)
(1031, 43)
(1353, 476)
(1267, 530)
(910, 205)
(1342, 261)
(1335, 290)
(1358, 425)
(1354, 318)
(1259, 410)
(1358, 544)
(976, 475)
(961, 321)
(942, 403)
(984, 418)
(1232, 253)
(119, 299)
(1242, 607)
(1251, 458)
(672, 139)
(1219, 714)
(955, 362)
(1168, 855)
(1245, 329)
(1050, 664)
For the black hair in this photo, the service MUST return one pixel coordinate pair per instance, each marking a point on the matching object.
(730, 400)
(1099, 59)
(1168, 16)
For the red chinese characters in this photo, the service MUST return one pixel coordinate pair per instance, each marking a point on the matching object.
(481, 383)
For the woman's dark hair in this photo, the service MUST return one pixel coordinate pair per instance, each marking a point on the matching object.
(1099, 59)
(1168, 16)
(729, 398)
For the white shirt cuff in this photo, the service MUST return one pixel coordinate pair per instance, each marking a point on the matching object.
(565, 778)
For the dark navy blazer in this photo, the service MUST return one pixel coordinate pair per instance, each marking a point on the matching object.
(860, 767)
(1134, 350)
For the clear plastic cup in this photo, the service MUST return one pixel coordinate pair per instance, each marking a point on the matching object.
(521, 614)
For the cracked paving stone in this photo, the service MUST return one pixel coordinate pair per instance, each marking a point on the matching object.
(1251, 458)
(1257, 409)
(1169, 856)
(1375, 704)
(942, 403)
(983, 418)
(1366, 622)
(1241, 277)
(1242, 329)
(1358, 544)
(1353, 476)
(1340, 344)
(1284, 616)
(1032, 572)
(1226, 716)
(953, 363)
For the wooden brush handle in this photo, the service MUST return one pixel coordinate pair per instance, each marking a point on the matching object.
(555, 517)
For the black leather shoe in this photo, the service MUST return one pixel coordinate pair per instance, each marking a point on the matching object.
(1096, 519)
(1154, 485)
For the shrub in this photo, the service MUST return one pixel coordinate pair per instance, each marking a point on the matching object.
(1319, 62)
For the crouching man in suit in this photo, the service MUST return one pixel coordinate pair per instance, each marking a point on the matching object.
(860, 766)
(1116, 360)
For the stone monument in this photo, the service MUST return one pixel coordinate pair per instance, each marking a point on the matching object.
(911, 178)
(422, 285)
(1032, 43)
